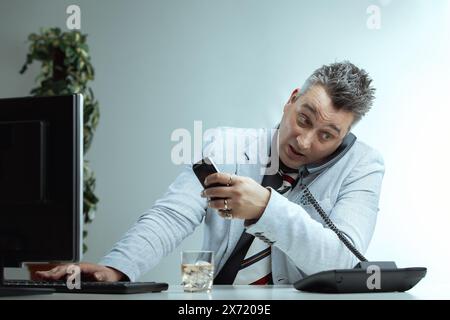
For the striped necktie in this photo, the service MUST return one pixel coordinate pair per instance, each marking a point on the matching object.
(256, 267)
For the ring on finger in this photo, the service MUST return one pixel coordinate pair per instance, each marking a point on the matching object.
(230, 180)
(228, 215)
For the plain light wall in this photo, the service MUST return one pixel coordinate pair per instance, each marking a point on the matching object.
(161, 65)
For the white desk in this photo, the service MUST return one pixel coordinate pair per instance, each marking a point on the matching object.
(239, 293)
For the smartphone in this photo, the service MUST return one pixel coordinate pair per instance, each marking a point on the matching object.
(204, 168)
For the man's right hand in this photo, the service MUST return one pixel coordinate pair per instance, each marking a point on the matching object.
(89, 272)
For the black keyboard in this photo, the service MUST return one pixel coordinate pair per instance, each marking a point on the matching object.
(120, 287)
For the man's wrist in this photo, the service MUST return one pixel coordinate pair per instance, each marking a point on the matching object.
(268, 194)
(249, 222)
(119, 274)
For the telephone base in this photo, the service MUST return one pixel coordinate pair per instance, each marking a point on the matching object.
(363, 279)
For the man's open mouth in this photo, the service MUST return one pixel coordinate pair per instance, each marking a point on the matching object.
(296, 152)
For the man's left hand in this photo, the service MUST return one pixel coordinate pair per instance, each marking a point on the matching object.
(245, 198)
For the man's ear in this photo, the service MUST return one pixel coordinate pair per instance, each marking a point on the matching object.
(292, 99)
(294, 95)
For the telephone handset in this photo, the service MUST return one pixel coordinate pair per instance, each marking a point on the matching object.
(329, 161)
(358, 279)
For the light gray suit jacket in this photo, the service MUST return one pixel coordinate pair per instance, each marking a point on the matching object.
(348, 192)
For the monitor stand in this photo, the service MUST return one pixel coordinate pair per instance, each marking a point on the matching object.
(8, 291)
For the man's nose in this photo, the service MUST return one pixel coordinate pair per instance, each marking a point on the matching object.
(304, 140)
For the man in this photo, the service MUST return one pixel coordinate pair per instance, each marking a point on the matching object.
(274, 236)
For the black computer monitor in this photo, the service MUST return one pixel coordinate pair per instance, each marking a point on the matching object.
(41, 179)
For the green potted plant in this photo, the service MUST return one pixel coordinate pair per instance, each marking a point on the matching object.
(66, 69)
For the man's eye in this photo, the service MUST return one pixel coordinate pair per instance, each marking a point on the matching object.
(326, 136)
(302, 121)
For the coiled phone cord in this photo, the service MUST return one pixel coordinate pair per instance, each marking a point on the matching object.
(311, 200)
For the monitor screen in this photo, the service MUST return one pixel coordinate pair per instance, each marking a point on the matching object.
(41, 179)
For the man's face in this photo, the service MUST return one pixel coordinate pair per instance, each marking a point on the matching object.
(311, 128)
